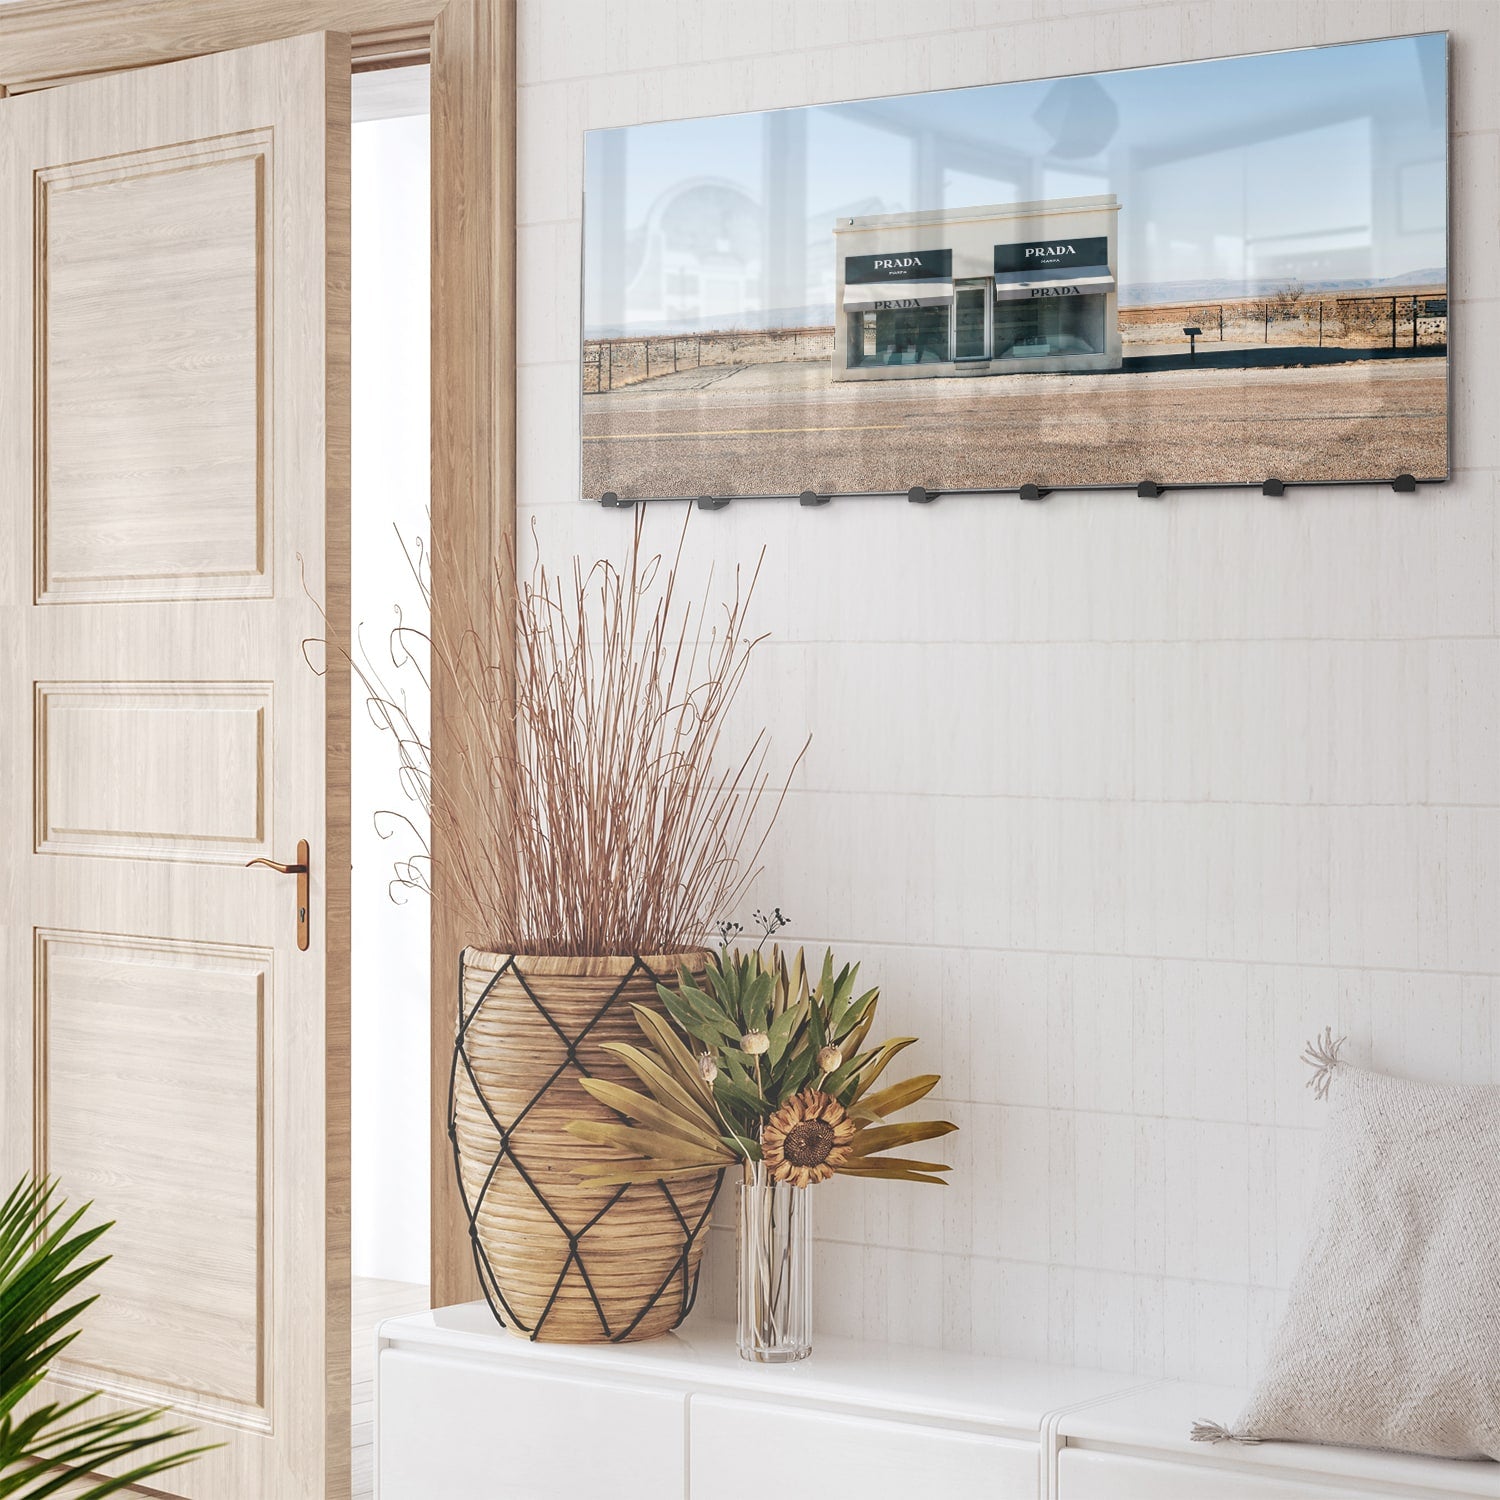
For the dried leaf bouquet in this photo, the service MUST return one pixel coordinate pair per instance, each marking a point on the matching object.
(762, 1066)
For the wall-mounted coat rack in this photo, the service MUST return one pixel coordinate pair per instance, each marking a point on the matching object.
(1145, 489)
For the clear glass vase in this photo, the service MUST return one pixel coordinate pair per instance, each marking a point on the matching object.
(775, 1270)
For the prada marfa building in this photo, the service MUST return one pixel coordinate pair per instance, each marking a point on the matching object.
(977, 291)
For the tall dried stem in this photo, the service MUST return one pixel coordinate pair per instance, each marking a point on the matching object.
(595, 809)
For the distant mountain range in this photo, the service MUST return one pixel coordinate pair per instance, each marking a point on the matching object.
(1151, 293)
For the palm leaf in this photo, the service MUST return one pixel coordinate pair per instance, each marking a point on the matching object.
(648, 1112)
(651, 1145)
(899, 1096)
(883, 1137)
(675, 1057)
(44, 1452)
(892, 1174)
(664, 1088)
(628, 1174)
(871, 1068)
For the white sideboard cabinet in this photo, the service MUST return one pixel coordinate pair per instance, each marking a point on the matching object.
(466, 1412)
(463, 1411)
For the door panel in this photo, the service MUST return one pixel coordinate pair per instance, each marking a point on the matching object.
(173, 499)
(151, 339)
(190, 762)
(181, 1025)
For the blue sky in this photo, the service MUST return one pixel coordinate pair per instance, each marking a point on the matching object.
(1321, 164)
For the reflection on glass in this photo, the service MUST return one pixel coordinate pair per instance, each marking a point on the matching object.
(1049, 325)
(970, 299)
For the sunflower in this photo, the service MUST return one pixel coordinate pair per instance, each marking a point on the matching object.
(807, 1139)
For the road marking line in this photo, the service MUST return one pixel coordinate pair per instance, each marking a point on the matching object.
(607, 437)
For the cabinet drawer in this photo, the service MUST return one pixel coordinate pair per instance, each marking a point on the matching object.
(459, 1430)
(1086, 1475)
(836, 1455)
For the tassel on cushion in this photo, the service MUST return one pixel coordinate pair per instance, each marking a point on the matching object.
(1216, 1432)
(1322, 1056)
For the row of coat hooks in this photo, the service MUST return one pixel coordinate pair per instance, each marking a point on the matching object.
(1147, 489)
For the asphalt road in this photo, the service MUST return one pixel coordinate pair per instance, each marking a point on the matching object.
(780, 429)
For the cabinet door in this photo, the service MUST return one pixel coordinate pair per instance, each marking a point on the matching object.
(836, 1455)
(1085, 1475)
(458, 1430)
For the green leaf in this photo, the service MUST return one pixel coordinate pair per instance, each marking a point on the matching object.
(782, 1030)
(42, 1265)
(742, 1100)
(709, 1029)
(855, 1013)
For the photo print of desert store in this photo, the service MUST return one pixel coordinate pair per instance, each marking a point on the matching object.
(1206, 273)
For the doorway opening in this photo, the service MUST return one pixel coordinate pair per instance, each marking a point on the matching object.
(390, 922)
(971, 318)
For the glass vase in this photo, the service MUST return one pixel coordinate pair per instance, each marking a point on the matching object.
(775, 1270)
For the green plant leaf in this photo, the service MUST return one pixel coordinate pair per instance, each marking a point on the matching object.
(743, 1101)
(782, 1031)
(709, 1029)
(41, 1266)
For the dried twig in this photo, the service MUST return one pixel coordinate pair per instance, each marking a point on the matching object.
(593, 811)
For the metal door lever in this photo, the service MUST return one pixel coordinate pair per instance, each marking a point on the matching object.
(300, 870)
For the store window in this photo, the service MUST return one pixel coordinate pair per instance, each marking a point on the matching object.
(1042, 326)
(899, 336)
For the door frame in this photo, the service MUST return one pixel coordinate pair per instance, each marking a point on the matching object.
(471, 45)
(985, 285)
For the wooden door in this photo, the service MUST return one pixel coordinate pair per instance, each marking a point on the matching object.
(174, 435)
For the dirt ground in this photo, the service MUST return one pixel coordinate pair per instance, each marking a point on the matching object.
(780, 429)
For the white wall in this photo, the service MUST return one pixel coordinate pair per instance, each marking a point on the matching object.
(1121, 801)
(391, 469)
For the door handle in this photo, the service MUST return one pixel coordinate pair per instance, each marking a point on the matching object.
(300, 871)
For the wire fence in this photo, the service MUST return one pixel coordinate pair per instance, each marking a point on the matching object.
(1414, 320)
(1405, 320)
(609, 364)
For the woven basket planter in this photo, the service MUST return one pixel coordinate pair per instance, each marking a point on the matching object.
(560, 1260)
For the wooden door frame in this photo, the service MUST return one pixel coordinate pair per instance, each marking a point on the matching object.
(472, 48)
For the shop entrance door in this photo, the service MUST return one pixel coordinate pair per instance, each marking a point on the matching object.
(971, 319)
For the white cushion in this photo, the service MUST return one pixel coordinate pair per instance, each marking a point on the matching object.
(1391, 1337)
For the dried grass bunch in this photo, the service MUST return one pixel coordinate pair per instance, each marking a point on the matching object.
(597, 810)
